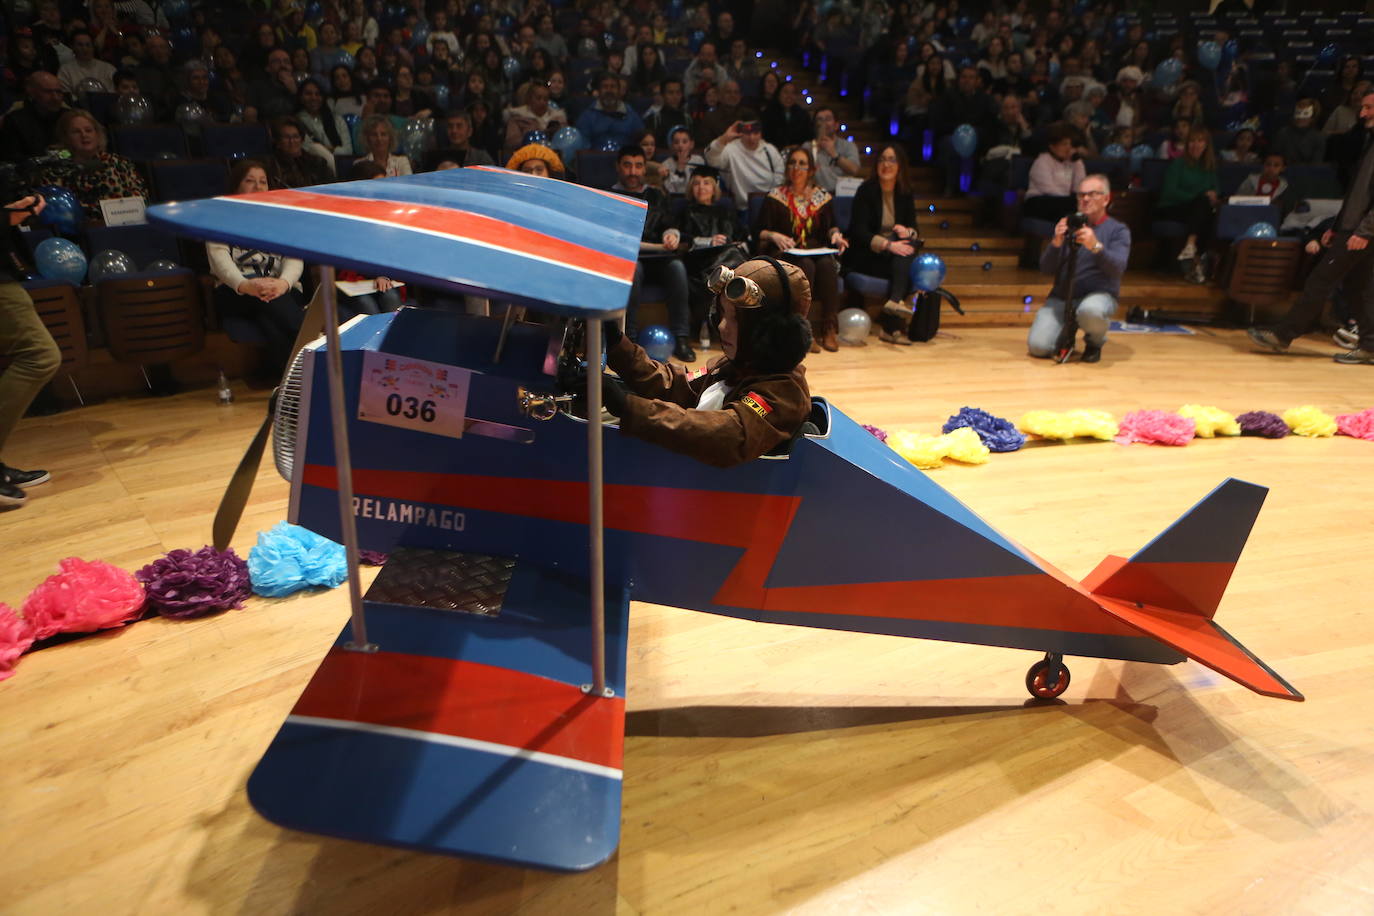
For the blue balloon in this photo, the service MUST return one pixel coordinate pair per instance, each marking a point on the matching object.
(1209, 54)
(695, 40)
(440, 91)
(419, 35)
(506, 23)
(63, 211)
(568, 140)
(928, 272)
(351, 119)
(1142, 151)
(1168, 71)
(1328, 54)
(345, 59)
(110, 263)
(476, 10)
(60, 259)
(536, 136)
(1261, 231)
(511, 68)
(1114, 151)
(609, 145)
(657, 341)
(965, 140)
(607, 40)
(176, 9)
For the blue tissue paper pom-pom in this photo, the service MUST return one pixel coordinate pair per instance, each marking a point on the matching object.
(288, 558)
(998, 435)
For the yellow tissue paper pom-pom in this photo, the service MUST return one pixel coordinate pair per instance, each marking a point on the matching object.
(923, 451)
(1211, 421)
(965, 445)
(1097, 424)
(1309, 421)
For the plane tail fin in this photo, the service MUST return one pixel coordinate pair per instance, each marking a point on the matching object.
(1171, 587)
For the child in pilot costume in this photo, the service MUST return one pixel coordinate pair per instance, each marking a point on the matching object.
(742, 404)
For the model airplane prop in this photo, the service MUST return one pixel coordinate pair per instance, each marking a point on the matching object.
(475, 706)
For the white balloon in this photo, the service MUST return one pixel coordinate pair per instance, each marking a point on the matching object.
(855, 325)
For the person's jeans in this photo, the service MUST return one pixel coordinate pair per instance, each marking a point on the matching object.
(34, 356)
(368, 304)
(1095, 312)
(1339, 267)
(671, 274)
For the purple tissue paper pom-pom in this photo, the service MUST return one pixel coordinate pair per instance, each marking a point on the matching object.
(998, 435)
(183, 584)
(1262, 423)
(877, 431)
(371, 557)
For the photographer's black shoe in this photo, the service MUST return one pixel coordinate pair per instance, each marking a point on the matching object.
(1267, 339)
(1091, 352)
(11, 496)
(17, 478)
(684, 351)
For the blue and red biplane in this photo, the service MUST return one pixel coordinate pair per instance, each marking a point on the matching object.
(476, 704)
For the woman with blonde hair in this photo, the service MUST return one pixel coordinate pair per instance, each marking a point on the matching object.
(1189, 196)
(98, 174)
(379, 138)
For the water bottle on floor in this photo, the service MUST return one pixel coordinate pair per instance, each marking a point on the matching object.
(705, 341)
(226, 394)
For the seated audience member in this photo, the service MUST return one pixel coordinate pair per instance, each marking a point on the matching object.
(713, 237)
(378, 103)
(609, 120)
(668, 113)
(748, 401)
(324, 128)
(1189, 196)
(653, 170)
(379, 139)
(536, 159)
(730, 108)
(704, 67)
(1054, 176)
(678, 167)
(84, 65)
(1269, 182)
(785, 121)
(93, 174)
(1347, 263)
(798, 214)
(1079, 116)
(1176, 144)
(344, 99)
(835, 156)
(1346, 115)
(291, 165)
(1242, 148)
(258, 286)
(1300, 142)
(532, 113)
(29, 126)
(1104, 246)
(457, 147)
(273, 94)
(659, 249)
(751, 163)
(408, 101)
(882, 226)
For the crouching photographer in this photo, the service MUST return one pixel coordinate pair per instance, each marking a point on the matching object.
(1087, 257)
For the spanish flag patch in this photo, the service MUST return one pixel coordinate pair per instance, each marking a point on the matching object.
(755, 402)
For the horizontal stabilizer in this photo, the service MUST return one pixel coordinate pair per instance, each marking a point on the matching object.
(1202, 640)
(1188, 565)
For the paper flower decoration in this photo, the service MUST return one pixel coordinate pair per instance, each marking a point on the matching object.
(84, 596)
(929, 452)
(288, 558)
(371, 557)
(16, 635)
(1211, 421)
(1155, 427)
(1357, 425)
(1071, 424)
(998, 435)
(1309, 421)
(877, 431)
(1262, 423)
(184, 584)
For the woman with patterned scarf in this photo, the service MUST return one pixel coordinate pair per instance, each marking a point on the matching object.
(797, 216)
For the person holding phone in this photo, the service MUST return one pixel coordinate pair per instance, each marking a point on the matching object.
(751, 163)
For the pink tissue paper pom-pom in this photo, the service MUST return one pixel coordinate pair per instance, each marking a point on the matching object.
(1357, 425)
(83, 597)
(16, 635)
(1156, 427)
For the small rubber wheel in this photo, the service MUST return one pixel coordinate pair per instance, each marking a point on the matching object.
(1037, 680)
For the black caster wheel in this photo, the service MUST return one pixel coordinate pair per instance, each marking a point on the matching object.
(1038, 679)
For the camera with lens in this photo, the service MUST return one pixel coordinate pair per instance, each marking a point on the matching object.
(1077, 221)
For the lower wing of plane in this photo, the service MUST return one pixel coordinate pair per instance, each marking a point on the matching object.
(470, 732)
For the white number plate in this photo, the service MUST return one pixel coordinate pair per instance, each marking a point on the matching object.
(413, 394)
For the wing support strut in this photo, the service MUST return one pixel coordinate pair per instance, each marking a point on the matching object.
(338, 417)
(596, 528)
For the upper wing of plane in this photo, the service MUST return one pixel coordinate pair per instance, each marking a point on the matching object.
(489, 232)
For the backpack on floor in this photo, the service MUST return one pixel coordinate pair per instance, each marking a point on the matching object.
(925, 320)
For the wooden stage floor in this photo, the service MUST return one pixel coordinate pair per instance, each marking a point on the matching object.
(767, 769)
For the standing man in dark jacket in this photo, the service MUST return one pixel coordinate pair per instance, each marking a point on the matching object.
(1349, 261)
(965, 103)
(660, 249)
(1104, 246)
(34, 357)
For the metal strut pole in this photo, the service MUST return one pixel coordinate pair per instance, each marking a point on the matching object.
(343, 462)
(596, 515)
